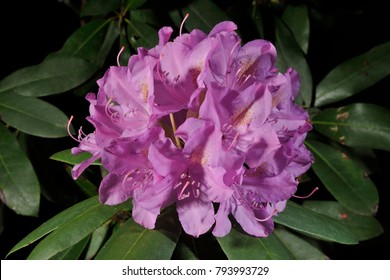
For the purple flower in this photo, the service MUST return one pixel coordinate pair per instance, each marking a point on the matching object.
(199, 122)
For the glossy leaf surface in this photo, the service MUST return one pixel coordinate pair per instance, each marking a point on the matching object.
(32, 115)
(364, 227)
(92, 41)
(141, 34)
(344, 178)
(356, 125)
(74, 252)
(316, 225)
(76, 229)
(239, 246)
(204, 15)
(291, 55)
(66, 156)
(57, 74)
(354, 75)
(97, 239)
(55, 222)
(297, 19)
(19, 184)
(130, 241)
(99, 7)
(300, 248)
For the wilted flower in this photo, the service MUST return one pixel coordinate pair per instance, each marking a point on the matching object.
(199, 122)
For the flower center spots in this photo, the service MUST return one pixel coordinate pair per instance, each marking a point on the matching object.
(199, 156)
(194, 73)
(254, 172)
(144, 88)
(246, 65)
(243, 116)
(276, 100)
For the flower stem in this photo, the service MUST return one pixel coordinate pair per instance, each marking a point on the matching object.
(177, 140)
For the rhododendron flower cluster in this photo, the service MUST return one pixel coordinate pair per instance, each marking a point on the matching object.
(202, 122)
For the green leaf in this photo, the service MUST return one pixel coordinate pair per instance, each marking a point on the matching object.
(297, 19)
(130, 241)
(32, 115)
(109, 39)
(316, 225)
(204, 15)
(300, 248)
(291, 55)
(141, 34)
(239, 246)
(134, 4)
(66, 156)
(79, 227)
(257, 18)
(344, 178)
(364, 227)
(74, 252)
(184, 252)
(356, 125)
(57, 221)
(85, 185)
(99, 7)
(19, 185)
(97, 240)
(56, 74)
(354, 75)
(92, 41)
(147, 16)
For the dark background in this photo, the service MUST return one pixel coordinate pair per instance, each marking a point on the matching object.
(339, 30)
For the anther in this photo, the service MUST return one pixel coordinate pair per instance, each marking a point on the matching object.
(196, 193)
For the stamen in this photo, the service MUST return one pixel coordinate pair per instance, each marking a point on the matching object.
(226, 128)
(181, 194)
(68, 129)
(307, 196)
(112, 115)
(228, 67)
(127, 177)
(119, 54)
(234, 47)
(267, 218)
(182, 23)
(233, 142)
(178, 185)
(81, 132)
(106, 108)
